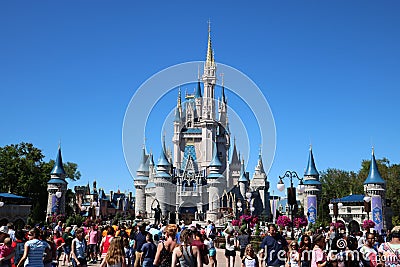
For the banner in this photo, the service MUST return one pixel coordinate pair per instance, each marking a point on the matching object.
(274, 205)
(312, 208)
(376, 208)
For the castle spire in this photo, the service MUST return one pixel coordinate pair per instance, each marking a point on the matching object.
(311, 169)
(374, 177)
(58, 165)
(210, 56)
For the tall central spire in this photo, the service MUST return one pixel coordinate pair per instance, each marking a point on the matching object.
(210, 56)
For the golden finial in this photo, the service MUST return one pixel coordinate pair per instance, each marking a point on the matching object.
(209, 59)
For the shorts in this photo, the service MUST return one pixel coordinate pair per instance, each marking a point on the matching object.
(67, 250)
(212, 252)
(92, 248)
(230, 253)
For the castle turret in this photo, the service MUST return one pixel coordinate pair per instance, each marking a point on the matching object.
(374, 187)
(216, 183)
(140, 182)
(312, 188)
(260, 184)
(243, 181)
(57, 187)
(163, 181)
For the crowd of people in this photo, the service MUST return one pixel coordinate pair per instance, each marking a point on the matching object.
(169, 245)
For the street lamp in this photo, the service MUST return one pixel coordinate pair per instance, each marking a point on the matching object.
(239, 205)
(367, 205)
(335, 206)
(291, 192)
(1, 204)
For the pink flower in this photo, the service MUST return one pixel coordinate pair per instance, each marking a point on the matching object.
(283, 221)
(367, 224)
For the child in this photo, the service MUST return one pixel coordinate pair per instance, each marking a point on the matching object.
(250, 259)
(6, 252)
(128, 252)
(293, 255)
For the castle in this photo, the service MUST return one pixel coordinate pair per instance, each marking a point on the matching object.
(198, 180)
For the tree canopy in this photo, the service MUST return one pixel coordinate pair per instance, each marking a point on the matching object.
(23, 172)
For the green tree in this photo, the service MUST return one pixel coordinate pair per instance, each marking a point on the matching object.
(23, 172)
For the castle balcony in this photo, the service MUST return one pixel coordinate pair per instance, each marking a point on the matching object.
(188, 193)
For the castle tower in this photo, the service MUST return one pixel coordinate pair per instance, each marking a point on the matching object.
(209, 124)
(234, 167)
(243, 181)
(312, 189)
(140, 182)
(165, 190)
(216, 184)
(57, 187)
(176, 139)
(260, 184)
(150, 189)
(374, 186)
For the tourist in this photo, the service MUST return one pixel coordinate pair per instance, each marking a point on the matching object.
(33, 250)
(163, 256)
(129, 254)
(243, 239)
(140, 239)
(319, 258)
(293, 257)
(78, 249)
(6, 252)
(19, 245)
(67, 245)
(59, 242)
(149, 250)
(272, 247)
(212, 252)
(185, 254)
(105, 241)
(230, 245)
(368, 254)
(115, 256)
(250, 259)
(305, 251)
(93, 237)
(389, 251)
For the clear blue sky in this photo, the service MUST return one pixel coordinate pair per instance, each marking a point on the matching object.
(329, 70)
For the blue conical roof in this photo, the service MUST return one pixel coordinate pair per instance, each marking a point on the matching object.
(142, 166)
(163, 160)
(243, 177)
(198, 90)
(58, 165)
(374, 177)
(215, 161)
(311, 169)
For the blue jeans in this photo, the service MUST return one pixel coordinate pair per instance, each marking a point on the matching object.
(147, 262)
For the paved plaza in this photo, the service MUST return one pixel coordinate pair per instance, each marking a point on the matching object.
(220, 259)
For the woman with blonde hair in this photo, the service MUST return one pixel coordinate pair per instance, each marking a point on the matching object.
(115, 256)
(165, 249)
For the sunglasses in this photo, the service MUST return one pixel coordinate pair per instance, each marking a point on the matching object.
(30, 234)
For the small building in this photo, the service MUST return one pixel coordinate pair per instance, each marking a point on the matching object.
(15, 209)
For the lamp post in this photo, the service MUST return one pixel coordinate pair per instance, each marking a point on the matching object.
(367, 205)
(239, 207)
(249, 198)
(335, 206)
(291, 193)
